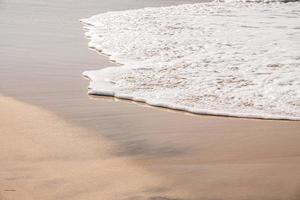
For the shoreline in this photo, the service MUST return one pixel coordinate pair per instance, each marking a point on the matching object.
(192, 156)
(105, 82)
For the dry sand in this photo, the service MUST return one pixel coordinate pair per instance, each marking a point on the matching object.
(43, 157)
(69, 146)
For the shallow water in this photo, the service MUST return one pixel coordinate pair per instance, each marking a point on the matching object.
(233, 58)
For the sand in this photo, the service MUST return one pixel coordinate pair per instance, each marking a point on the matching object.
(43, 157)
(103, 148)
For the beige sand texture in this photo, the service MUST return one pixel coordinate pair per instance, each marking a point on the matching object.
(43, 157)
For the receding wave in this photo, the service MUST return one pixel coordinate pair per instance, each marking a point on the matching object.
(222, 58)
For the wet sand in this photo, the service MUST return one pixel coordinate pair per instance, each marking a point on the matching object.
(43, 53)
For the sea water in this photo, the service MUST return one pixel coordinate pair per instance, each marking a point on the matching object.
(232, 58)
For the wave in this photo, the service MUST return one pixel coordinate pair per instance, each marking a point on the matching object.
(230, 58)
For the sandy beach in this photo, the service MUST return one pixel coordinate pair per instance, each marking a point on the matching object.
(51, 159)
(58, 143)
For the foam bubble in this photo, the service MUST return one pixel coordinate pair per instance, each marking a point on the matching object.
(232, 59)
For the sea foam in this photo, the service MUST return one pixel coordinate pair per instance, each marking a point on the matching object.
(222, 58)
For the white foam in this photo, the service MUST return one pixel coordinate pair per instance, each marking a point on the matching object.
(234, 59)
